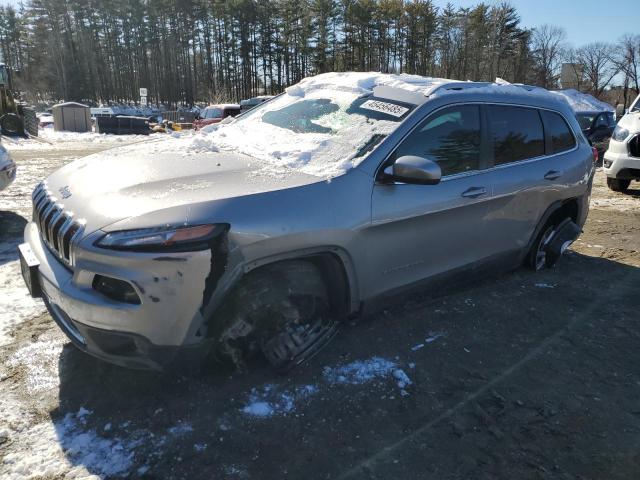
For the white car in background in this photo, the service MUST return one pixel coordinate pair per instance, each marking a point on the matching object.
(7, 169)
(622, 159)
(44, 119)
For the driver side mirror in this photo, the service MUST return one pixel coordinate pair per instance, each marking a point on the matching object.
(414, 170)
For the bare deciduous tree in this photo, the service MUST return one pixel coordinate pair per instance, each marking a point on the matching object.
(547, 49)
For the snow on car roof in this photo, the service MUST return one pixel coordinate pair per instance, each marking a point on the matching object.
(583, 102)
(364, 82)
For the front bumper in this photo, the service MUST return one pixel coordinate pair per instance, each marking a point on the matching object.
(153, 334)
(621, 165)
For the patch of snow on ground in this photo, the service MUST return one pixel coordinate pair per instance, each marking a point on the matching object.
(40, 359)
(49, 139)
(67, 448)
(16, 305)
(180, 429)
(364, 371)
(269, 400)
(433, 336)
(360, 371)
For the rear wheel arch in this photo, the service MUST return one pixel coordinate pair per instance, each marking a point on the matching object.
(554, 216)
(556, 212)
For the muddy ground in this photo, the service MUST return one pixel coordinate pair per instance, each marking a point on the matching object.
(522, 376)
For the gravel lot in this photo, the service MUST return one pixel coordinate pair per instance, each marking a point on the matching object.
(521, 376)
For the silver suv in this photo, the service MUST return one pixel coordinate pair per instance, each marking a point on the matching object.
(260, 235)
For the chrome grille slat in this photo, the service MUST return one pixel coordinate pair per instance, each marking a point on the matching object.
(63, 230)
(58, 229)
(48, 208)
(56, 224)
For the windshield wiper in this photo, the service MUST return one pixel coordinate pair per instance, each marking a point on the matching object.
(370, 145)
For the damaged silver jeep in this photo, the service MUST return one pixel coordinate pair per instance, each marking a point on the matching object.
(259, 235)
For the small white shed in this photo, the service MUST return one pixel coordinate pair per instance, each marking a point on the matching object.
(71, 117)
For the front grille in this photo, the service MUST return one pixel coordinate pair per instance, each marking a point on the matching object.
(58, 228)
(634, 146)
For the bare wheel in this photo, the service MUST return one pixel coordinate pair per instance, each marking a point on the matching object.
(537, 258)
(282, 311)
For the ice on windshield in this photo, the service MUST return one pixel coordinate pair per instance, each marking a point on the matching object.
(320, 133)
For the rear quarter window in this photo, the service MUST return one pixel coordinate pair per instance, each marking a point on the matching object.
(560, 136)
(516, 132)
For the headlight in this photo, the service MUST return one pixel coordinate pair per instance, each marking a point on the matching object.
(167, 238)
(619, 134)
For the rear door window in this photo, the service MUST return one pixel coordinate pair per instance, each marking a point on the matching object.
(560, 137)
(450, 137)
(516, 132)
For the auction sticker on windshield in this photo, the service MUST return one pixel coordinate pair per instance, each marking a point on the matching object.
(384, 107)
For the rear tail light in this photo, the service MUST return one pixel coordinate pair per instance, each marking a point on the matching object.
(594, 152)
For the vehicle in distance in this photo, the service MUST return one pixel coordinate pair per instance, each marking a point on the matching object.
(252, 102)
(215, 114)
(7, 169)
(598, 127)
(621, 161)
(313, 207)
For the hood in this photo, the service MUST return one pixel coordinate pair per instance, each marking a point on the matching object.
(132, 181)
(631, 121)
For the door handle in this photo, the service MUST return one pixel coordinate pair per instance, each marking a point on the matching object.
(552, 175)
(474, 192)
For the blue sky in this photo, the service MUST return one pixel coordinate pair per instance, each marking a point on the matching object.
(584, 20)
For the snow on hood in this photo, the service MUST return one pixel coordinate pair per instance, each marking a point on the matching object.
(583, 102)
(327, 152)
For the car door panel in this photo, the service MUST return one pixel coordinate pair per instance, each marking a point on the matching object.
(419, 231)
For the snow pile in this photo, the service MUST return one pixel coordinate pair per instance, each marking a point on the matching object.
(270, 401)
(583, 102)
(67, 448)
(40, 359)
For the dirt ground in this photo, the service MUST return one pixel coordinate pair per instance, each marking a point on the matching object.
(522, 376)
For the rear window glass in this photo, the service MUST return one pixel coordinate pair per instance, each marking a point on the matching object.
(516, 132)
(558, 131)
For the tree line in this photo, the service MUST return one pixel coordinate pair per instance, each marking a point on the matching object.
(192, 51)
